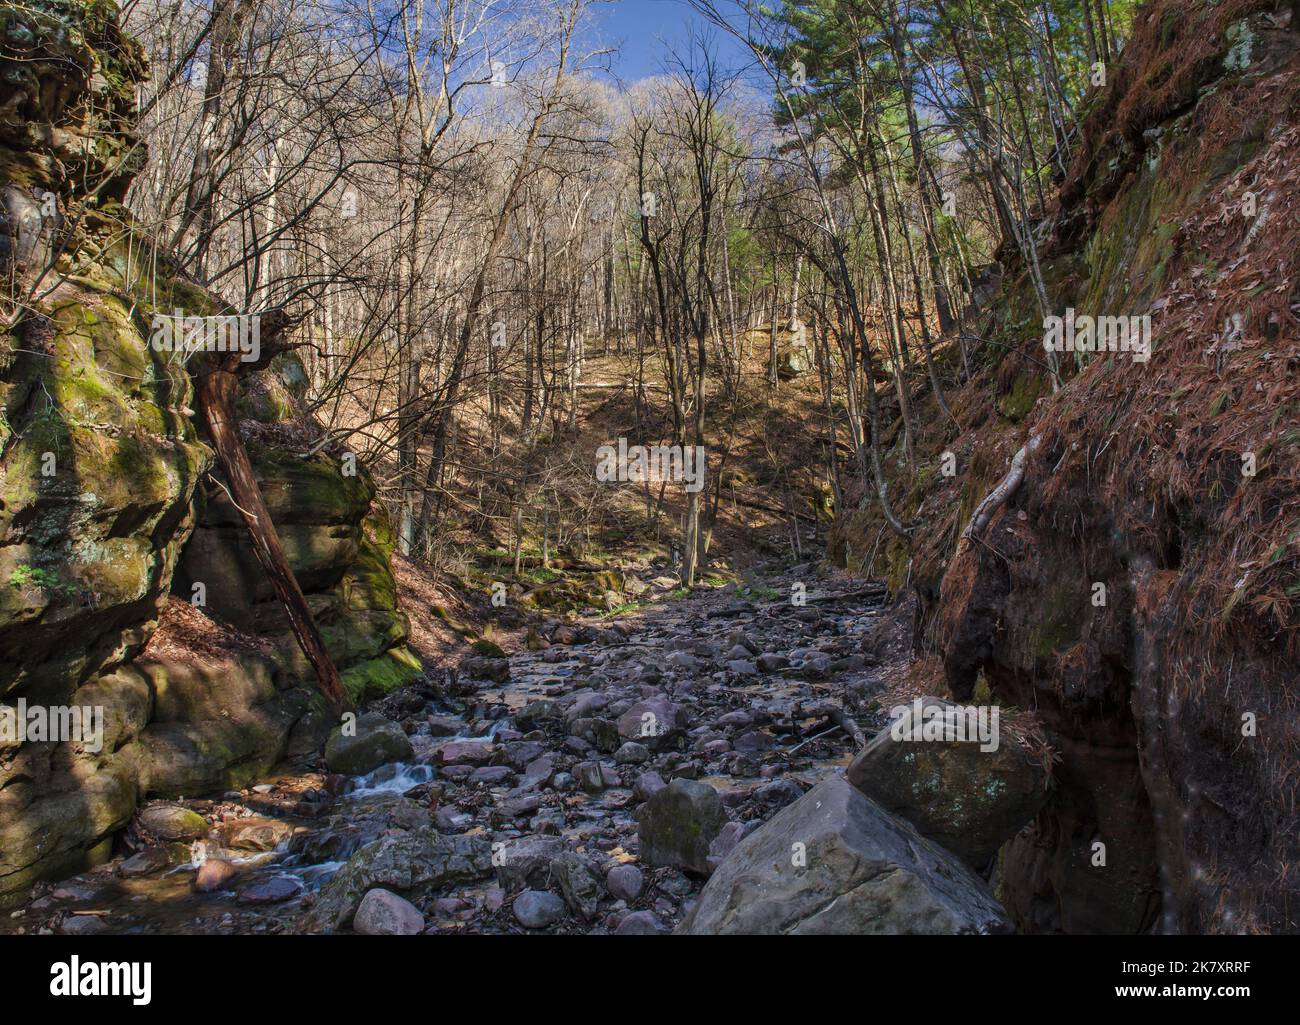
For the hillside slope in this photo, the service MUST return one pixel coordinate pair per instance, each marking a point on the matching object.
(1173, 483)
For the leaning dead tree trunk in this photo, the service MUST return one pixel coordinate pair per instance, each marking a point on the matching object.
(216, 382)
(1006, 487)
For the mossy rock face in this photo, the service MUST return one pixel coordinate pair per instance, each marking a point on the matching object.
(337, 539)
(97, 477)
(1016, 404)
(100, 460)
(376, 677)
(297, 490)
(56, 825)
(970, 797)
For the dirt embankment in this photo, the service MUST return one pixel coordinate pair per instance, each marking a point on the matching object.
(1139, 588)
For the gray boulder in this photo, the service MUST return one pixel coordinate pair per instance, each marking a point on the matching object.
(677, 825)
(969, 800)
(836, 863)
(656, 722)
(172, 822)
(525, 863)
(376, 741)
(421, 859)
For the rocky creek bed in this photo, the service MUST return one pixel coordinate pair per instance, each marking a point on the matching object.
(591, 785)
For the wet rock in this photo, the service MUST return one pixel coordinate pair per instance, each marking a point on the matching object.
(517, 808)
(589, 777)
(602, 734)
(420, 859)
(834, 862)
(172, 822)
(625, 882)
(677, 825)
(532, 715)
(145, 862)
(255, 834)
(586, 705)
(519, 753)
(969, 800)
(772, 663)
(375, 742)
(444, 726)
(724, 843)
(777, 794)
(490, 775)
(683, 660)
(538, 773)
(214, 874)
(270, 891)
(565, 635)
(450, 820)
(83, 925)
(383, 913)
(536, 909)
(752, 741)
(462, 752)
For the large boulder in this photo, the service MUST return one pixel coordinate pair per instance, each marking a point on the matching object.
(834, 862)
(969, 796)
(677, 825)
(656, 722)
(172, 822)
(421, 859)
(365, 745)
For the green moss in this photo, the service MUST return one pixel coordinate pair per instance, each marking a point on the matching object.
(309, 490)
(369, 583)
(1060, 622)
(1026, 390)
(376, 677)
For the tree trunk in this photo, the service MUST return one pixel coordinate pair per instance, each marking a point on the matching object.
(217, 386)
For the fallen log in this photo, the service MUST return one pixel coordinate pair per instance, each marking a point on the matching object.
(216, 383)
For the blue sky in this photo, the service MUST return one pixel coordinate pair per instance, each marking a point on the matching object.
(641, 32)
